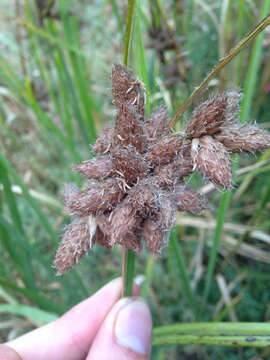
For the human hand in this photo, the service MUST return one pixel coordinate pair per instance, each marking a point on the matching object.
(101, 327)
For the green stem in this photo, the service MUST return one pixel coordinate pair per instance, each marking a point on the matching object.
(233, 52)
(235, 340)
(128, 263)
(129, 22)
(128, 256)
(222, 211)
(226, 334)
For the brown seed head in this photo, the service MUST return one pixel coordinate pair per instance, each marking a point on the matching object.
(156, 228)
(129, 164)
(127, 89)
(211, 114)
(97, 168)
(156, 125)
(165, 150)
(97, 198)
(69, 191)
(125, 221)
(76, 242)
(104, 141)
(241, 137)
(212, 160)
(129, 128)
(187, 199)
(171, 173)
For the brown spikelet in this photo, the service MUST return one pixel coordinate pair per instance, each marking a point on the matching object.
(173, 172)
(153, 236)
(165, 150)
(129, 128)
(242, 137)
(69, 191)
(144, 197)
(156, 229)
(97, 198)
(157, 124)
(125, 221)
(187, 199)
(76, 242)
(99, 168)
(212, 160)
(211, 114)
(233, 99)
(104, 141)
(129, 164)
(102, 239)
(127, 89)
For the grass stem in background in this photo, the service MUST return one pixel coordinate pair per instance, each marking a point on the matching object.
(234, 51)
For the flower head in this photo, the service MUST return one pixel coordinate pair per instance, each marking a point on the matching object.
(138, 175)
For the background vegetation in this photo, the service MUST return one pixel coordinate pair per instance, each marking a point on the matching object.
(55, 97)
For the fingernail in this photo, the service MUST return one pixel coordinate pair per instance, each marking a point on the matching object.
(139, 280)
(133, 327)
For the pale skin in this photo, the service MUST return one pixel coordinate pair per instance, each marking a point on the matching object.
(101, 327)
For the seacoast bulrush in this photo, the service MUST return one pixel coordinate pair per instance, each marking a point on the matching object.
(137, 179)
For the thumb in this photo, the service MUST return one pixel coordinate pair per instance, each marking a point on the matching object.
(125, 333)
(6, 353)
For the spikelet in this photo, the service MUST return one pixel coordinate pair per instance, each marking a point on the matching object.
(102, 239)
(97, 198)
(165, 150)
(125, 221)
(171, 173)
(76, 242)
(212, 160)
(129, 164)
(188, 200)
(104, 141)
(243, 137)
(69, 191)
(97, 168)
(156, 125)
(211, 114)
(156, 228)
(129, 128)
(127, 90)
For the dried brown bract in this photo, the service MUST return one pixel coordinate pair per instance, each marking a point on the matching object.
(138, 178)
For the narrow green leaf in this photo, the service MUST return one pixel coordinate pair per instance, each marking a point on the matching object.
(40, 317)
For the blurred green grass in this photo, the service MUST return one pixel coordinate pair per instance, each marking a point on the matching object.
(50, 115)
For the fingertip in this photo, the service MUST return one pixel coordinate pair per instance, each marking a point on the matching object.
(133, 325)
(6, 353)
(126, 333)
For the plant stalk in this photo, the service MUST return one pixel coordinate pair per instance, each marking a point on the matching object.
(224, 61)
(128, 256)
